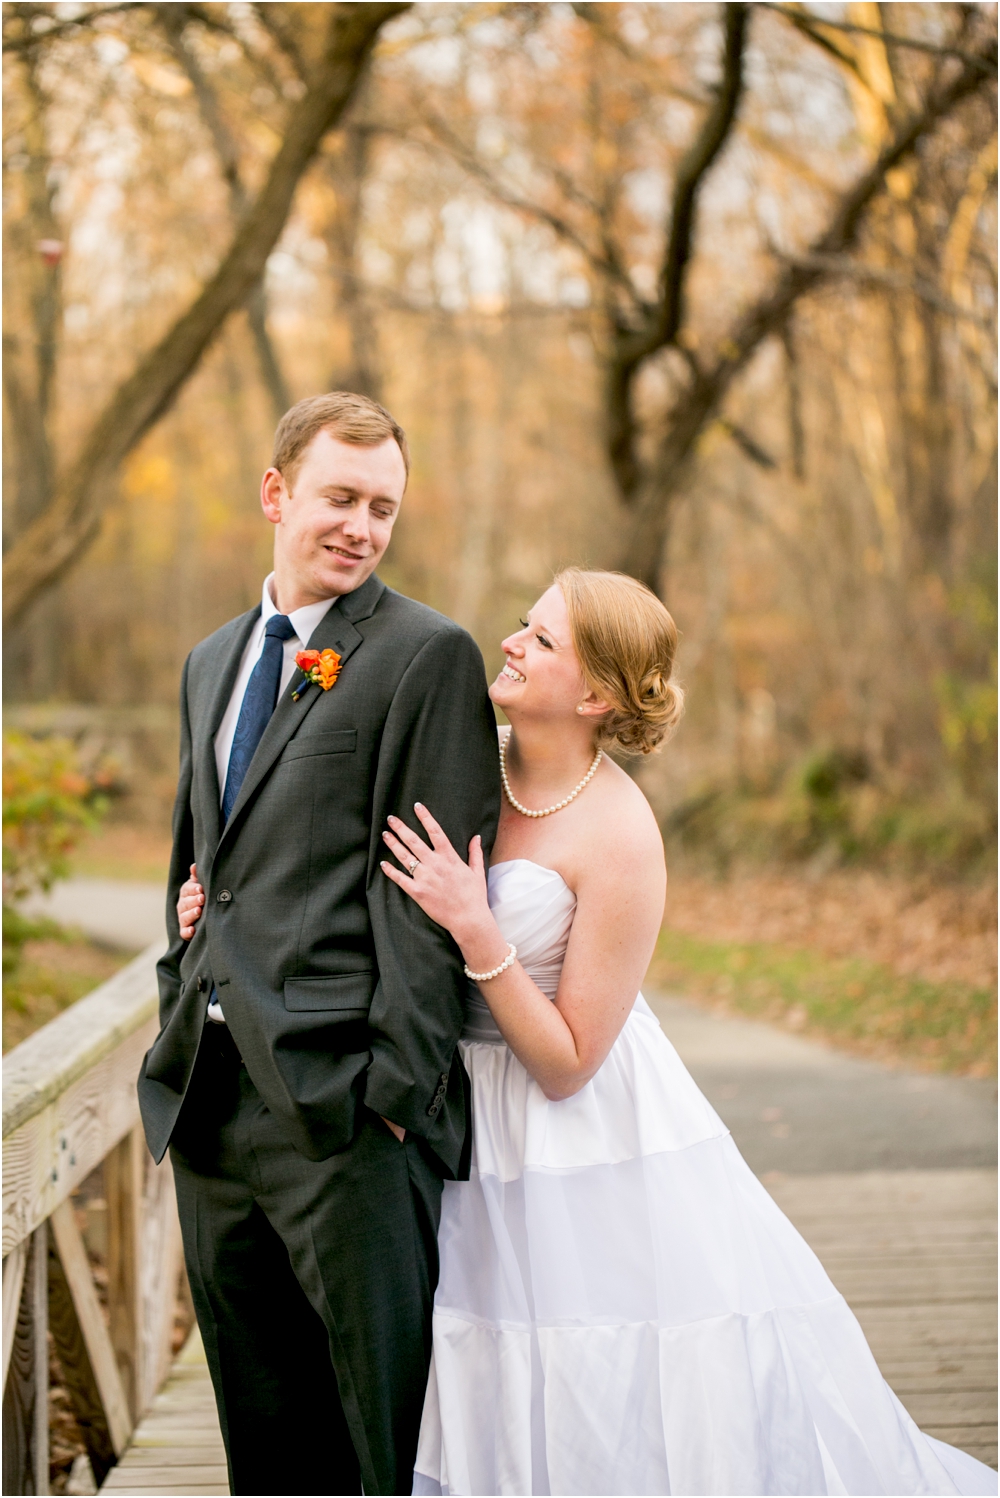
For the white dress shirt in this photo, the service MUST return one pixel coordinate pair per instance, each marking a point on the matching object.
(304, 622)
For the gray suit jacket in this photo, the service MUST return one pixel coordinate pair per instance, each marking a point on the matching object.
(339, 992)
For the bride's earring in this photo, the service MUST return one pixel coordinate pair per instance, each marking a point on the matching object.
(580, 709)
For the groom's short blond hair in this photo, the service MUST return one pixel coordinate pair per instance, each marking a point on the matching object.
(346, 416)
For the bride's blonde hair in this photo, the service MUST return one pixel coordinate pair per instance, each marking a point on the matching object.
(626, 642)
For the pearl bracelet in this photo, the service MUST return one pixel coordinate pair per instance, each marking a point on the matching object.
(485, 977)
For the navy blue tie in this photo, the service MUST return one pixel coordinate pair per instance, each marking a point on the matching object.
(259, 701)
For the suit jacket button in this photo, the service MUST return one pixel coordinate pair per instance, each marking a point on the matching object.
(200, 985)
(224, 896)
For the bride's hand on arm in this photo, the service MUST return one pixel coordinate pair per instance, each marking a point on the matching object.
(619, 908)
(452, 892)
(190, 903)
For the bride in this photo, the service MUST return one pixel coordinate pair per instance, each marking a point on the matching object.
(622, 1308)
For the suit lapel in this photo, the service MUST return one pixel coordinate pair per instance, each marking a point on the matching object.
(209, 792)
(336, 631)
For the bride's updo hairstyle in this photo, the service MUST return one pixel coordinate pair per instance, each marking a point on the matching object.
(626, 642)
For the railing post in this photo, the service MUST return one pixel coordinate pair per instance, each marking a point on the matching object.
(26, 1393)
(124, 1182)
(162, 1256)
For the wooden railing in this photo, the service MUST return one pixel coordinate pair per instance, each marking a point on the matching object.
(69, 1105)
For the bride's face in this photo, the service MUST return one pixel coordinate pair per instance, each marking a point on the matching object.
(542, 675)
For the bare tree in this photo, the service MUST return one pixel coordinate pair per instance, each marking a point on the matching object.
(657, 486)
(78, 495)
(652, 464)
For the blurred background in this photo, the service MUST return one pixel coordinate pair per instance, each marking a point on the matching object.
(704, 292)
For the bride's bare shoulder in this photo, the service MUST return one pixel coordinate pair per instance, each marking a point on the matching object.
(621, 823)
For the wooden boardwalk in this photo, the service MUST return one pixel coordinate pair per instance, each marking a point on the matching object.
(915, 1255)
(177, 1448)
(914, 1252)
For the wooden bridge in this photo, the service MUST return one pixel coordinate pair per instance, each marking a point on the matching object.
(69, 1105)
(913, 1251)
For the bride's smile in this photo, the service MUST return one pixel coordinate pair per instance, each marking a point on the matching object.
(541, 679)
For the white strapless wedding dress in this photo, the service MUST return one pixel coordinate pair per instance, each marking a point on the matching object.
(622, 1308)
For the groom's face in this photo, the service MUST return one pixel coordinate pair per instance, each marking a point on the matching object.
(333, 523)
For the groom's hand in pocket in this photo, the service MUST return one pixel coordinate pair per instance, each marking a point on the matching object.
(400, 1133)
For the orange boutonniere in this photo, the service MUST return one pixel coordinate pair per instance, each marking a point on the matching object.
(319, 667)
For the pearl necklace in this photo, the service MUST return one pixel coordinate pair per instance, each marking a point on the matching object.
(524, 810)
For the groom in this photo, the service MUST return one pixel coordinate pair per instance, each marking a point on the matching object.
(305, 1075)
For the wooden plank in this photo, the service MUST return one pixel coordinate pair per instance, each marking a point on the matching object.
(124, 1173)
(177, 1447)
(25, 1400)
(47, 1157)
(13, 1283)
(961, 1407)
(37, 1277)
(174, 1473)
(97, 1340)
(185, 1438)
(985, 1449)
(183, 1491)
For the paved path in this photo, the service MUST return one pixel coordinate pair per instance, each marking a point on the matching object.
(795, 1105)
(115, 911)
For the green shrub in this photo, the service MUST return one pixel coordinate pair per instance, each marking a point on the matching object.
(48, 805)
(831, 806)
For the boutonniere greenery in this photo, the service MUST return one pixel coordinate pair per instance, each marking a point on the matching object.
(319, 668)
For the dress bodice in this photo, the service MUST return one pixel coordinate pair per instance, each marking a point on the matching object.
(534, 908)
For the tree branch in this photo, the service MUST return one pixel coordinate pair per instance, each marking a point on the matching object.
(935, 49)
(890, 280)
(803, 23)
(632, 349)
(57, 29)
(54, 541)
(607, 268)
(769, 315)
(747, 444)
(650, 65)
(692, 172)
(274, 23)
(816, 265)
(173, 20)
